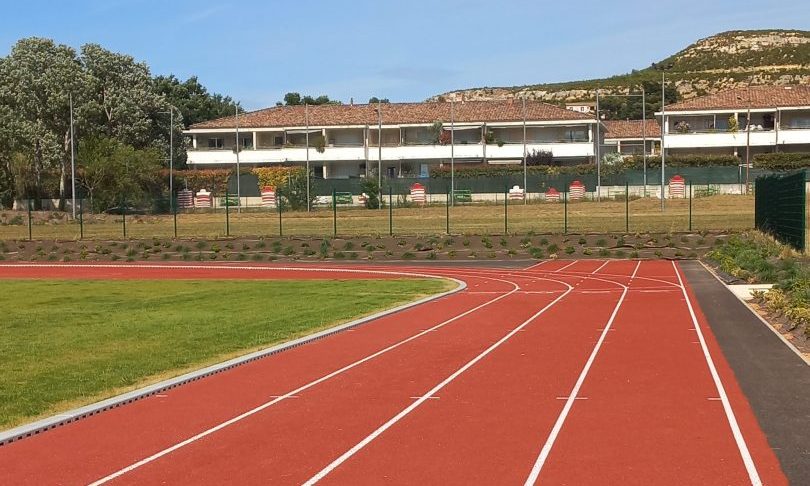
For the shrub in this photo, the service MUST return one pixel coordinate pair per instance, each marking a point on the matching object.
(782, 161)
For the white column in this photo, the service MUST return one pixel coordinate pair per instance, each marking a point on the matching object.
(194, 141)
(255, 140)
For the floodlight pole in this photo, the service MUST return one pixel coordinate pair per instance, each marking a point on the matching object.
(72, 160)
(748, 139)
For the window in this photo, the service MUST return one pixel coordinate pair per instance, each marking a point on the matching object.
(247, 143)
(216, 143)
(278, 140)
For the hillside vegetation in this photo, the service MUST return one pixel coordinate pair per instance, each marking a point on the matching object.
(720, 62)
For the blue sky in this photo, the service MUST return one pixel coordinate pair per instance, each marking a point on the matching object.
(406, 50)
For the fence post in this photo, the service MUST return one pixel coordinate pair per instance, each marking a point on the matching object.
(334, 212)
(81, 219)
(390, 211)
(278, 206)
(690, 206)
(30, 232)
(227, 213)
(447, 211)
(626, 207)
(174, 214)
(506, 210)
(565, 212)
(124, 216)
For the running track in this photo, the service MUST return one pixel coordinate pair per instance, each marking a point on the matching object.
(568, 372)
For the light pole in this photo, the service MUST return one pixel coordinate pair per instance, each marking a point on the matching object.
(452, 152)
(525, 171)
(72, 161)
(379, 144)
(598, 152)
(238, 171)
(306, 123)
(663, 135)
(171, 157)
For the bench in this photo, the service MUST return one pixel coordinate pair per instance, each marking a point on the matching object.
(462, 195)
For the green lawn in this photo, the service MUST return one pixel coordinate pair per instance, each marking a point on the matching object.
(64, 343)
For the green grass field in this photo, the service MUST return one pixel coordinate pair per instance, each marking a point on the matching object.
(67, 343)
(720, 212)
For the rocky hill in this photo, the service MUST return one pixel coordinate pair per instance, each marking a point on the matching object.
(716, 63)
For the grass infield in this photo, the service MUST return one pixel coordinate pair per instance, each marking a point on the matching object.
(66, 343)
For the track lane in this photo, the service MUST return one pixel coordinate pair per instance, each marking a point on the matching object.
(485, 425)
(338, 412)
(652, 414)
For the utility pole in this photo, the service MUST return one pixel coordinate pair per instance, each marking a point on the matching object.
(452, 152)
(748, 139)
(171, 158)
(663, 135)
(72, 160)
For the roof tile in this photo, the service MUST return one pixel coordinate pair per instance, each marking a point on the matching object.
(395, 113)
(742, 98)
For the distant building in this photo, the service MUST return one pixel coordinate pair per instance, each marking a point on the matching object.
(716, 124)
(344, 140)
(627, 137)
(586, 107)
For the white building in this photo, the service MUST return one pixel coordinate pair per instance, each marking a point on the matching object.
(586, 107)
(718, 123)
(627, 137)
(343, 139)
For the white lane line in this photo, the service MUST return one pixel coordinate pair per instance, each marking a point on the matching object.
(536, 265)
(357, 447)
(552, 437)
(635, 272)
(745, 454)
(601, 266)
(565, 266)
(292, 393)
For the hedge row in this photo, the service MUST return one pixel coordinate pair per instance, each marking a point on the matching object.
(782, 161)
(637, 162)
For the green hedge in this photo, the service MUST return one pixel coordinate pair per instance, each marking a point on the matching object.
(782, 161)
(637, 162)
(506, 170)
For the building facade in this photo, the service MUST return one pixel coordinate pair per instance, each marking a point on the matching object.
(741, 122)
(628, 137)
(399, 139)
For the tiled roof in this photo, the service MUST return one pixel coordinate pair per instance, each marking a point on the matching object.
(396, 113)
(759, 96)
(631, 129)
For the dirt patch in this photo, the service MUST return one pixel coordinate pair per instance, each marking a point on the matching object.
(796, 335)
(416, 248)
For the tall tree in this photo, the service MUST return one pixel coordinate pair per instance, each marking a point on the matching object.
(36, 80)
(193, 100)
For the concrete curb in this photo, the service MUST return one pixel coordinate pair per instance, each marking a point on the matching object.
(69, 416)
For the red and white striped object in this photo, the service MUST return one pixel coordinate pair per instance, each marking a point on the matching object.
(552, 195)
(202, 199)
(268, 196)
(677, 187)
(418, 194)
(185, 199)
(576, 190)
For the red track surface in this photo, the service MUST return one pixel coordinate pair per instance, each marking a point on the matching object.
(581, 372)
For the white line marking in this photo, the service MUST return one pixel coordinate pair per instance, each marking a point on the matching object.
(635, 272)
(601, 266)
(745, 454)
(537, 265)
(544, 452)
(424, 398)
(575, 398)
(348, 454)
(565, 266)
(295, 392)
